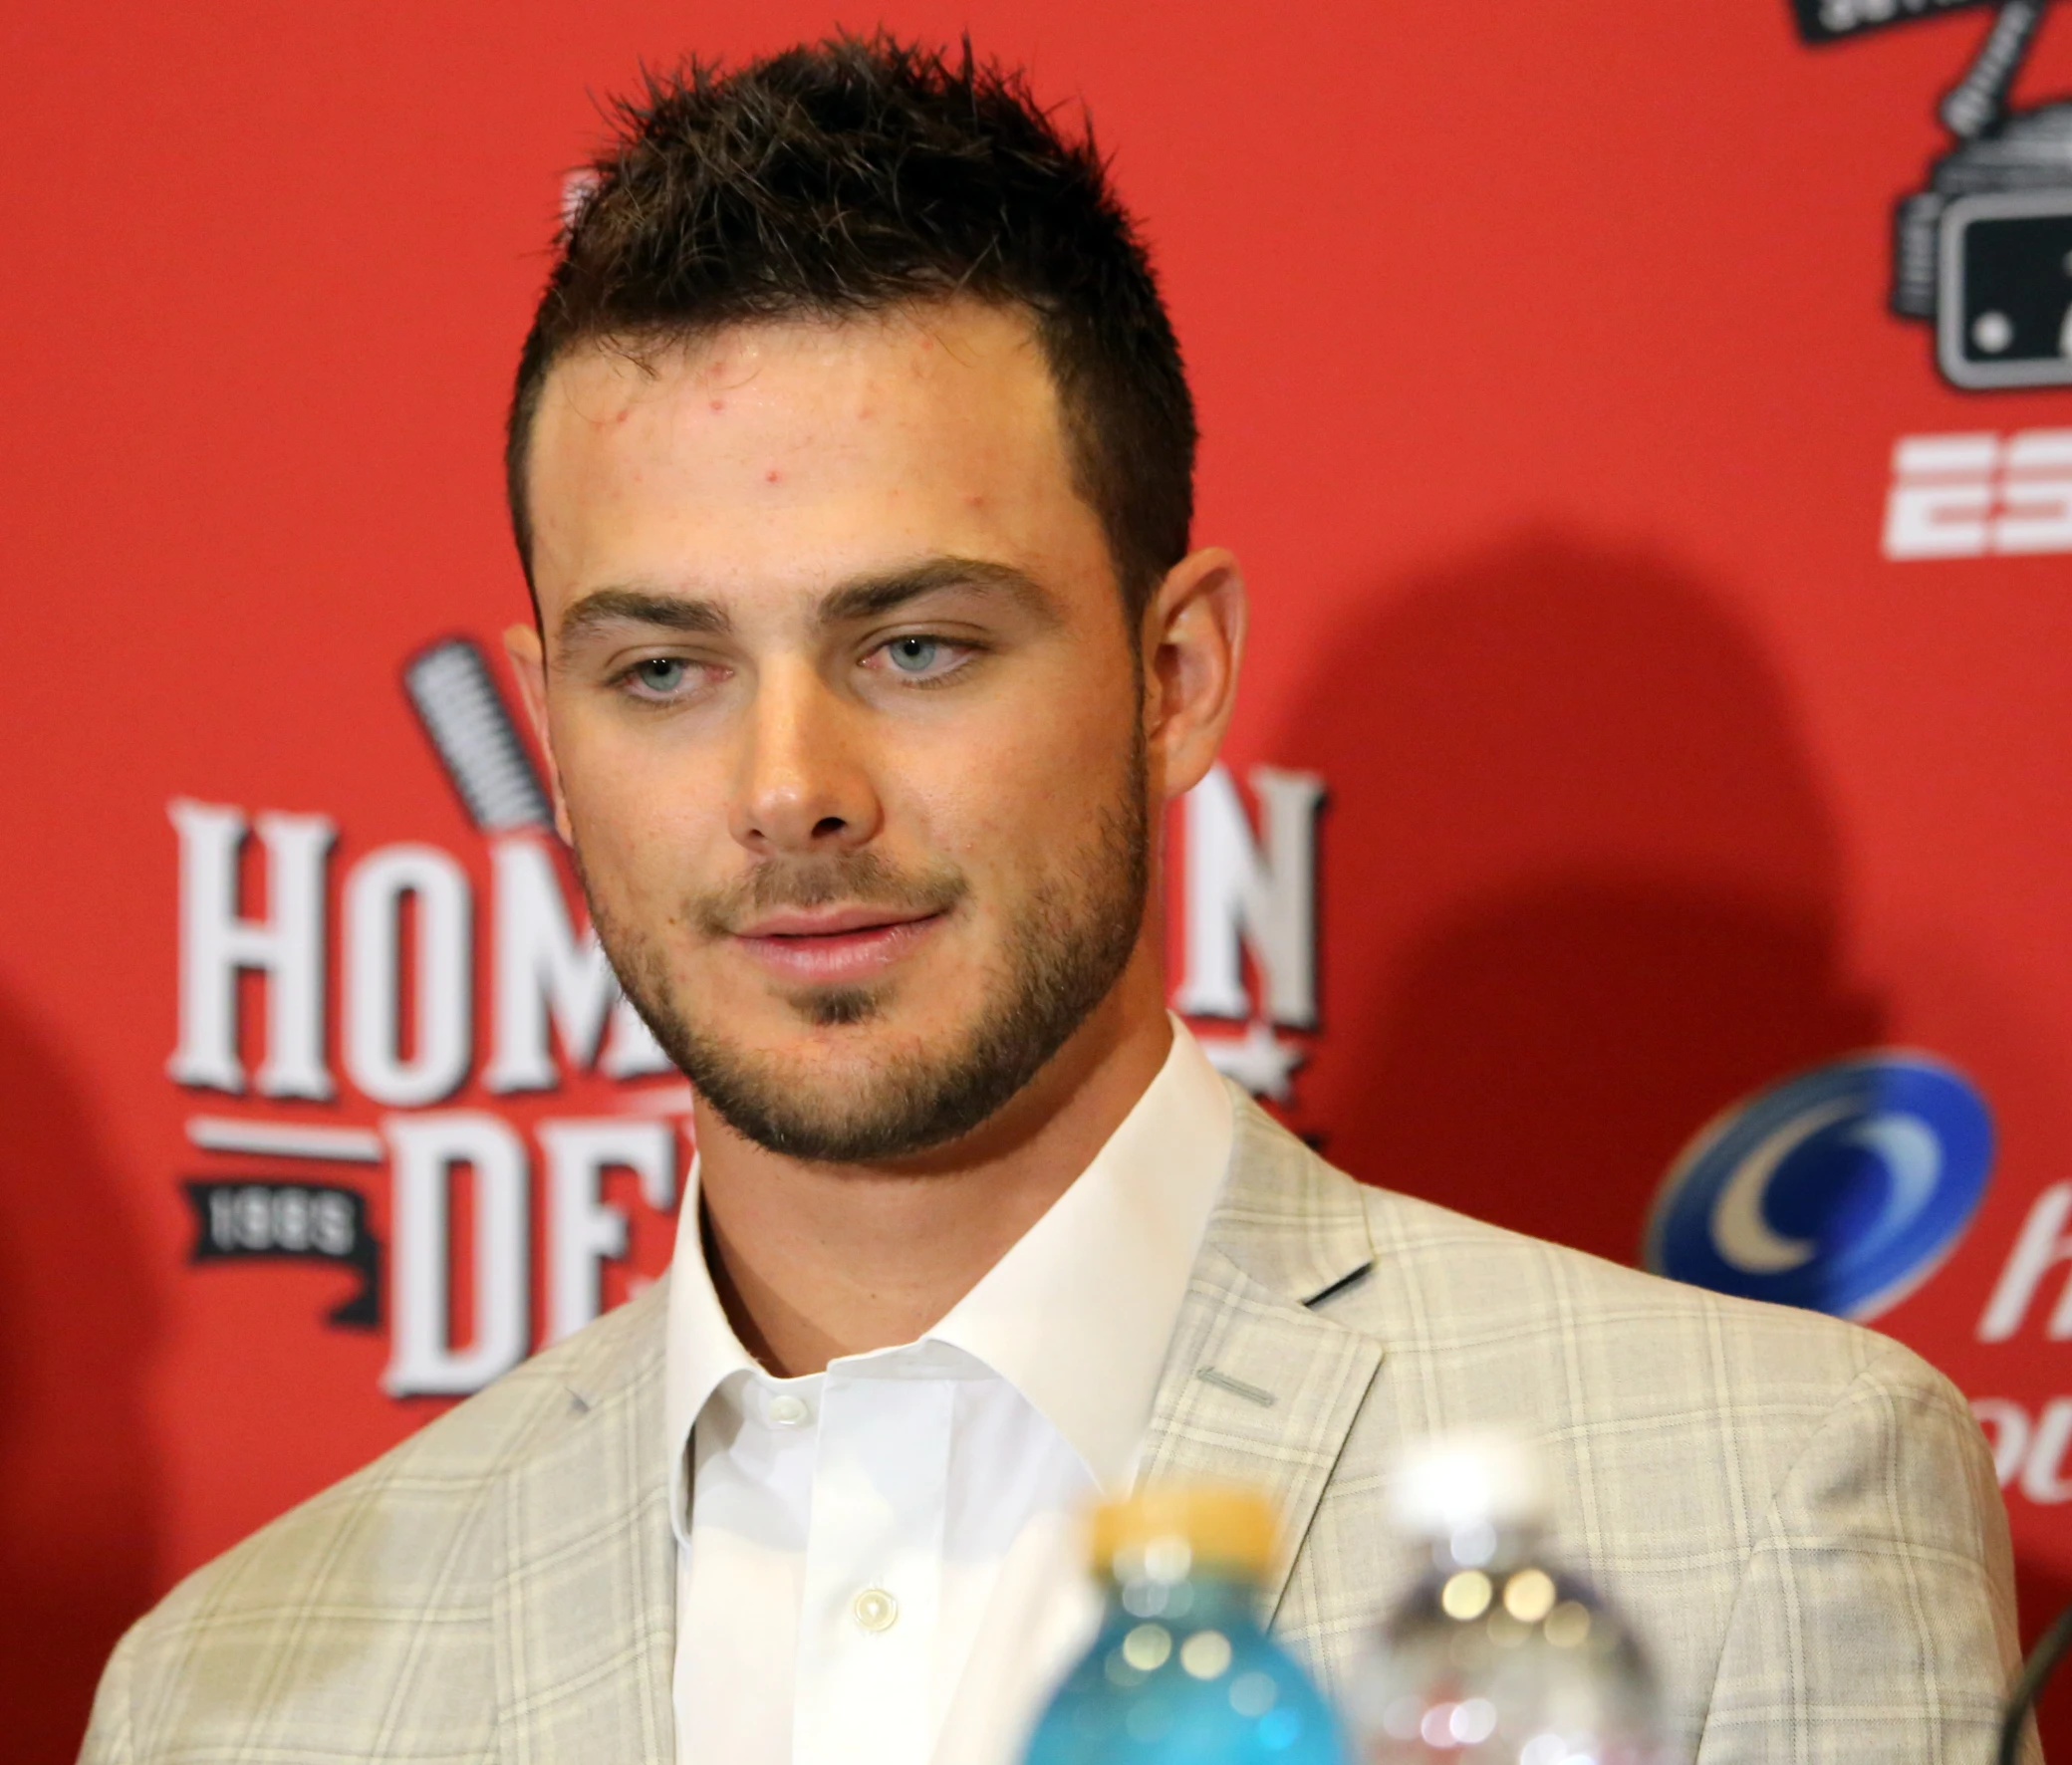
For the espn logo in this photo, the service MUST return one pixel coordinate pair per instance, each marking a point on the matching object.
(1965, 496)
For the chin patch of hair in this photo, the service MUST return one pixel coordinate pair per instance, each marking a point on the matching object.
(841, 1006)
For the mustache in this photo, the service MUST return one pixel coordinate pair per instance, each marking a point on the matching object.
(862, 878)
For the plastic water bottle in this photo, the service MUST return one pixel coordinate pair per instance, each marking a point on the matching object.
(1495, 1654)
(1182, 1669)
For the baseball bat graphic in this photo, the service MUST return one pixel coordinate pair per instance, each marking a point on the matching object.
(1977, 102)
(472, 730)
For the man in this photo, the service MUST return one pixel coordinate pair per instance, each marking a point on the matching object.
(851, 465)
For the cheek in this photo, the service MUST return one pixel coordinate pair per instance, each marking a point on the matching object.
(1016, 800)
(642, 815)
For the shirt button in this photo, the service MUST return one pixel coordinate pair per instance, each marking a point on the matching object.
(875, 1610)
(788, 1411)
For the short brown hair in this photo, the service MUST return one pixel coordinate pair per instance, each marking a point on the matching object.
(863, 174)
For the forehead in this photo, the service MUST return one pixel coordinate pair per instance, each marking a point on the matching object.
(794, 453)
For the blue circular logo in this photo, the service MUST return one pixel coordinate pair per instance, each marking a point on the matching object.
(1840, 1190)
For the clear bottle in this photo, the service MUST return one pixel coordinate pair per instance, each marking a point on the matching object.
(1495, 1654)
(1182, 1669)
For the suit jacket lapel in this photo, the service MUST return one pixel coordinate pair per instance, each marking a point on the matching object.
(584, 1615)
(1257, 1387)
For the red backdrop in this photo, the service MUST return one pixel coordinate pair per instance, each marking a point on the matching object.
(1548, 391)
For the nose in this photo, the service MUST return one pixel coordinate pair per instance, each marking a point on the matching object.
(804, 786)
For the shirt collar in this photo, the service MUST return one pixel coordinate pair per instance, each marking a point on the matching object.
(1076, 1316)
(700, 1349)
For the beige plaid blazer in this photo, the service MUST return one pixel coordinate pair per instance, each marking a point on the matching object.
(1798, 1516)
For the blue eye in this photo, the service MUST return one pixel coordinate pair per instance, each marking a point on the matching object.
(659, 674)
(912, 656)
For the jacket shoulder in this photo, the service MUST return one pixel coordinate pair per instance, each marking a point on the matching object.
(1691, 1443)
(411, 1538)
(1449, 1280)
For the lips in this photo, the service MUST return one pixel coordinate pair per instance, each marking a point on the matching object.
(836, 946)
(827, 922)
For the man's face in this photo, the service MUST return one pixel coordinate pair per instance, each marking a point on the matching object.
(846, 716)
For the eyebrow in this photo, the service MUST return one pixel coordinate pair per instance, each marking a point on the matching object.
(874, 596)
(640, 607)
(869, 596)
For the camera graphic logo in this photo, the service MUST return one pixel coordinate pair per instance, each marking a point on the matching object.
(1984, 253)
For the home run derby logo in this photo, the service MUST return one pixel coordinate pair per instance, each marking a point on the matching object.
(413, 1064)
(1840, 1190)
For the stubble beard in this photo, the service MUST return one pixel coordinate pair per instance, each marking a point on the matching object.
(1064, 951)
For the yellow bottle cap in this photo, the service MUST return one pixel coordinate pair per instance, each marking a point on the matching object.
(1162, 1532)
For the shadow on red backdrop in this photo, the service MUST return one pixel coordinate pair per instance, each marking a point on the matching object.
(1603, 891)
(78, 1486)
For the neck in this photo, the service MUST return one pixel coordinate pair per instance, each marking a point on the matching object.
(815, 1261)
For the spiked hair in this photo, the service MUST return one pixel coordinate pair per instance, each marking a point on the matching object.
(862, 175)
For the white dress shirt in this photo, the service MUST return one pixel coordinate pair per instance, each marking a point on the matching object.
(883, 1564)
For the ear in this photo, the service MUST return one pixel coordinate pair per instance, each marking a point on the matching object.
(1194, 640)
(529, 662)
